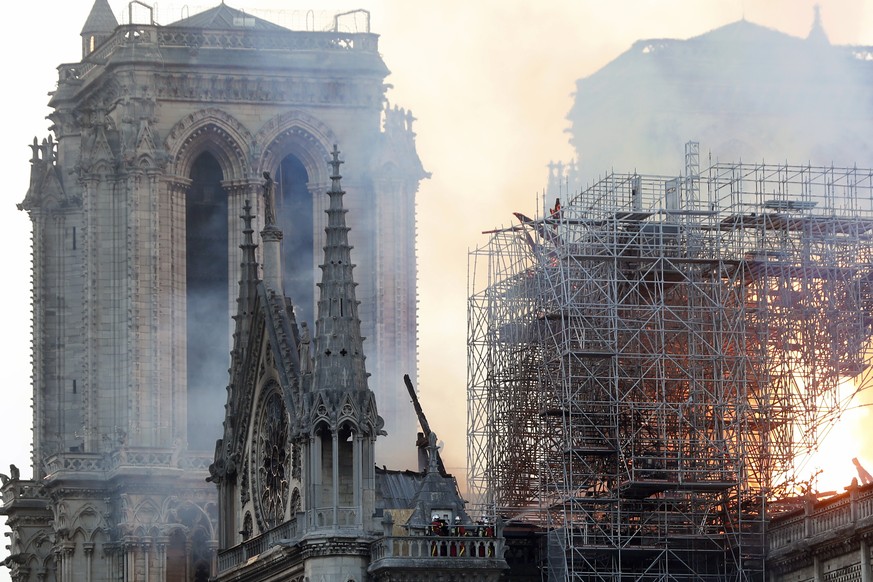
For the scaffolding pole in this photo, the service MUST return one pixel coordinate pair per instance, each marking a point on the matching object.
(650, 365)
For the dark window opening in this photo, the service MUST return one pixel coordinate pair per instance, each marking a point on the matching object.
(207, 301)
(294, 215)
(177, 558)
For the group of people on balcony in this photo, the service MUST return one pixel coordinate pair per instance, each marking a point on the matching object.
(441, 527)
(459, 548)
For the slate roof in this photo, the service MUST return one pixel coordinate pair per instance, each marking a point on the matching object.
(397, 489)
(101, 19)
(223, 17)
(744, 32)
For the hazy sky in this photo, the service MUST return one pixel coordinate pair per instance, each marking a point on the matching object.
(490, 83)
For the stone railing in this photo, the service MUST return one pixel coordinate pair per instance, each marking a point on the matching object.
(125, 457)
(196, 462)
(18, 489)
(248, 549)
(786, 529)
(821, 520)
(142, 457)
(267, 40)
(196, 39)
(78, 462)
(437, 547)
(831, 516)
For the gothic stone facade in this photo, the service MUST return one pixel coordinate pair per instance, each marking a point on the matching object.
(299, 496)
(159, 135)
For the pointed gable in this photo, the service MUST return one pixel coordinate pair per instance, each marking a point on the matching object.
(223, 17)
(265, 350)
(256, 465)
(744, 32)
(100, 20)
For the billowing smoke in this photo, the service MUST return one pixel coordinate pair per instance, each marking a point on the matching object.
(208, 361)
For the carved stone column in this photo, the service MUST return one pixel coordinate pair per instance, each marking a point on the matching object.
(130, 546)
(160, 545)
(315, 493)
(65, 559)
(113, 553)
(189, 559)
(335, 476)
(213, 557)
(146, 547)
(319, 222)
(175, 276)
(88, 549)
(357, 470)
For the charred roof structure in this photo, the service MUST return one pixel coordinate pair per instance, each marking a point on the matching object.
(650, 362)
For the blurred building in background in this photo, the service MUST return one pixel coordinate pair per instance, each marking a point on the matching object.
(748, 92)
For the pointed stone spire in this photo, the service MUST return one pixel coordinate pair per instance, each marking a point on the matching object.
(817, 33)
(339, 359)
(248, 282)
(99, 26)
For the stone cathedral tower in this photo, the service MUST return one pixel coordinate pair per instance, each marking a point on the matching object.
(159, 135)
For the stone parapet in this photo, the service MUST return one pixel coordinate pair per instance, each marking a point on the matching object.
(823, 536)
(141, 35)
(256, 546)
(437, 548)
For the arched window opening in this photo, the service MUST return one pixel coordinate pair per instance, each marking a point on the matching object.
(346, 438)
(325, 494)
(200, 556)
(176, 559)
(207, 299)
(294, 215)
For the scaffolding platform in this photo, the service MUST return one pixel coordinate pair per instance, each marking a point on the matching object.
(643, 488)
(709, 318)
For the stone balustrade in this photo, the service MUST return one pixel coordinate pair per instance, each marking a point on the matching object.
(197, 39)
(239, 554)
(78, 462)
(791, 528)
(125, 457)
(437, 547)
(819, 521)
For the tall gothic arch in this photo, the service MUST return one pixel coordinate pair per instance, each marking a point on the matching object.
(295, 146)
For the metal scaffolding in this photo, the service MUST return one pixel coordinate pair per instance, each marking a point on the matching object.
(649, 364)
